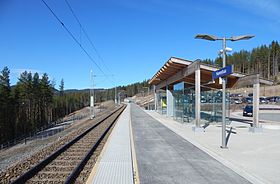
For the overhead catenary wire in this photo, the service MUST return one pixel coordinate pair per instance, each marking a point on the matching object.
(87, 36)
(73, 37)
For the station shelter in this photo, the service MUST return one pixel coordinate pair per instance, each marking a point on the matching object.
(185, 91)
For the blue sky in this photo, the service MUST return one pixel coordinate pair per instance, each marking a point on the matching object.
(134, 37)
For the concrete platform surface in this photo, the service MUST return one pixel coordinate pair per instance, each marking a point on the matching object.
(115, 165)
(255, 156)
(165, 157)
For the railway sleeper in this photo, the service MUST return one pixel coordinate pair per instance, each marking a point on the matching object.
(49, 175)
(57, 162)
(70, 158)
(58, 168)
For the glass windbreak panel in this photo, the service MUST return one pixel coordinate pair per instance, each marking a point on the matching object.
(211, 106)
(189, 104)
(163, 105)
(161, 102)
(210, 101)
(178, 93)
(206, 109)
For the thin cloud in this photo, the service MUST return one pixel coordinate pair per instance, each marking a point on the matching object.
(268, 9)
(15, 73)
(158, 6)
(18, 72)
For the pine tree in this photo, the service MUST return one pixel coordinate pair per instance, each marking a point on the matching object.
(46, 97)
(6, 127)
(61, 87)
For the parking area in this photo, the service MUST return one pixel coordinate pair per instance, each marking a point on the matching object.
(266, 116)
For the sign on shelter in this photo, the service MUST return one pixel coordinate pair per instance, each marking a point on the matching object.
(222, 72)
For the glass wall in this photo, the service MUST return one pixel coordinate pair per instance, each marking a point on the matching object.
(178, 96)
(184, 103)
(211, 104)
(189, 106)
(161, 102)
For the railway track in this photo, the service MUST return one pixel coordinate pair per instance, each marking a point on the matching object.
(73, 161)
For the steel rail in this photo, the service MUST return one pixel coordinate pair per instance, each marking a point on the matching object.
(38, 167)
(72, 177)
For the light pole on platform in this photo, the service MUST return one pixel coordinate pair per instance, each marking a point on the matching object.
(223, 51)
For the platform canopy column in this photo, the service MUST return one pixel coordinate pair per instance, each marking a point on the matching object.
(155, 98)
(169, 101)
(197, 127)
(256, 101)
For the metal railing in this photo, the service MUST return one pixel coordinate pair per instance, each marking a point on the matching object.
(44, 131)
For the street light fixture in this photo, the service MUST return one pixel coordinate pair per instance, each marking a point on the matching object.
(224, 50)
(206, 37)
(241, 37)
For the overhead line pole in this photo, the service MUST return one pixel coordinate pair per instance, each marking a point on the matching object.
(116, 95)
(92, 113)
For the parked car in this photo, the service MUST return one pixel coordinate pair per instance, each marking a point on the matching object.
(237, 101)
(273, 99)
(263, 100)
(247, 100)
(203, 100)
(248, 110)
(235, 95)
(250, 95)
(218, 100)
(277, 99)
(210, 100)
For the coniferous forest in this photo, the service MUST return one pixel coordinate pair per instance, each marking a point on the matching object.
(264, 60)
(34, 103)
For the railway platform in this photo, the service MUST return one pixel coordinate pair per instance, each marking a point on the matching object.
(253, 156)
(142, 150)
(115, 164)
(165, 157)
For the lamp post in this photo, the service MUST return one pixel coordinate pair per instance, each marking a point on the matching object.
(224, 50)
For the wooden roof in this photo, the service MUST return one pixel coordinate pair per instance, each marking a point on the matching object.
(176, 65)
(171, 67)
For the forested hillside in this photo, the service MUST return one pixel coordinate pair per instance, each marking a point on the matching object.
(264, 60)
(125, 91)
(34, 102)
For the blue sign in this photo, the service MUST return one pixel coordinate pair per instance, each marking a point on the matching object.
(222, 72)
